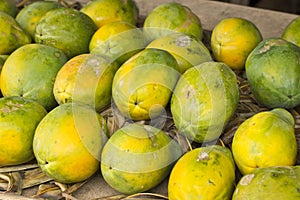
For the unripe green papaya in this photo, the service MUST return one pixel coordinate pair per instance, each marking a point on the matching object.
(204, 99)
(9, 7)
(268, 183)
(30, 72)
(273, 72)
(66, 29)
(30, 15)
(172, 17)
(138, 157)
(186, 49)
(19, 118)
(291, 32)
(12, 35)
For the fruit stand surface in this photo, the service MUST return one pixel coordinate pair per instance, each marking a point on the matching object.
(270, 23)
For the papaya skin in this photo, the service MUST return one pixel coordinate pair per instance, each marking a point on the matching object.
(278, 182)
(143, 85)
(232, 40)
(203, 173)
(172, 17)
(186, 49)
(86, 78)
(265, 139)
(30, 72)
(66, 147)
(29, 16)
(138, 157)
(273, 72)
(19, 118)
(119, 40)
(291, 32)
(66, 29)
(9, 7)
(204, 99)
(105, 11)
(12, 35)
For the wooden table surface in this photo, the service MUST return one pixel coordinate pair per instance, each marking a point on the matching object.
(270, 23)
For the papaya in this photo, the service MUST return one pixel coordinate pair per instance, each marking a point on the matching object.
(1, 62)
(233, 39)
(186, 49)
(9, 7)
(19, 118)
(30, 72)
(119, 40)
(86, 78)
(172, 17)
(12, 35)
(204, 100)
(203, 173)
(291, 32)
(66, 29)
(265, 139)
(278, 182)
(30, 15)
(66, 147)
(143, 85)
(273, 72)
(106, 11)
(138, 157)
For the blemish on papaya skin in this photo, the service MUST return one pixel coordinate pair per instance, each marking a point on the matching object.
(270, 44)
(10, 107)
(183, 41)
(247, 179)
(203, 156)
(265, 48)
(298, 190)
(187, 94)
(211, 182)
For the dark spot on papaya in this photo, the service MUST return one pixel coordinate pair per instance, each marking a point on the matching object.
(187, 94)
(110, 167)
(136, 103)
(124, 9)
(211, 182)
(65, 100)
(220, 174)
(298, 190)
(274, 174)
(46, 163)
(290, 96)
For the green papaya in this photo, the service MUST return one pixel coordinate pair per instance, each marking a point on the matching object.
(268, 183)
(204, 99)
(273, 72)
